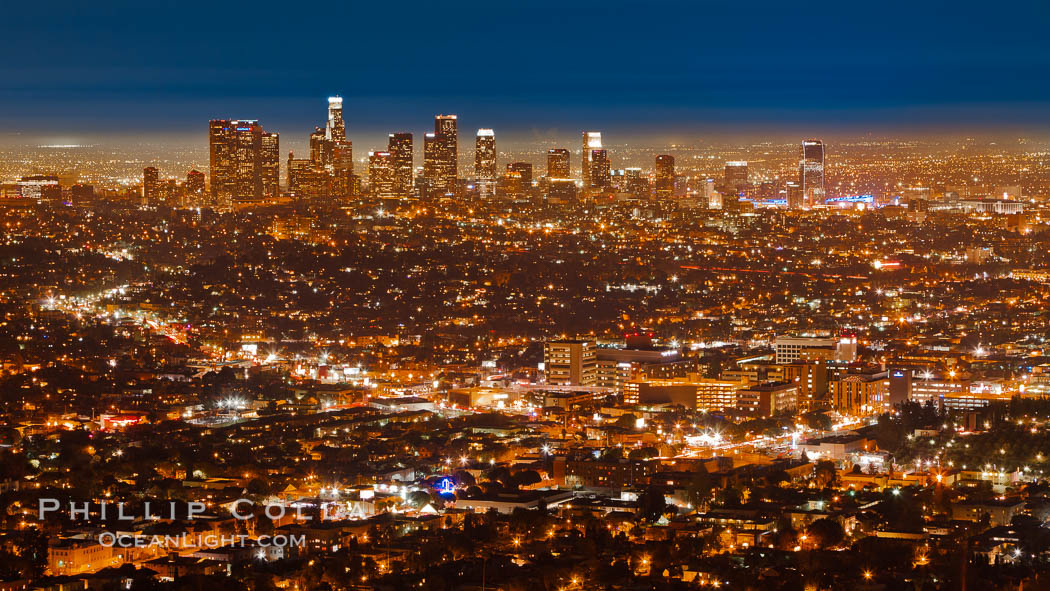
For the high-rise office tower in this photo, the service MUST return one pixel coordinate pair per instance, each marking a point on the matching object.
(169, 191)
(558, 163)
(521, 173)
(443, 153)
(400, 147)
(635, 183)
(239, 161)
(381, 174)
(335, 130)
(485, 162)
(342, 157)
(709, 197)
(270, 164)
(598, 169)
(793, 195)
(561, 190)
(340, 150)
(592, 140)
(736, 177)
(307, 179)
(663, 177)
(524, 169)
(320, 149)
(431, 167)
(150, 186)
(195, 186)
(811, 172)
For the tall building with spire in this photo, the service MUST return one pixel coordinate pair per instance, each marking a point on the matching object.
(341, 150)
(335, 130)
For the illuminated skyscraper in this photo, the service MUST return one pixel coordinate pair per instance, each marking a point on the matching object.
(270, 164)
(664, 175)
(558, 163)
(598, 169)
(523, 170)
(485, 162)
(306, 178)
(431, 168)
(335, 130)
(400, 147)
(320, 148)
(561, 190)
(811, 172)
(736, 177)
(340, 151)
(592, 140)
(243, 165)
(440, 153)
(381, 174)
(195, 186)
(709, 198)
(793, 195)
(634, 182)
(150, 186)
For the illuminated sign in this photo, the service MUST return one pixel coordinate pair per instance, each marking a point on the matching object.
(446, 486)
(852, 199)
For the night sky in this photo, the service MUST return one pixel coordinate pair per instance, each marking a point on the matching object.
(526, 67)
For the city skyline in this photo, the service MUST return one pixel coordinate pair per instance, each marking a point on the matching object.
(525, 296)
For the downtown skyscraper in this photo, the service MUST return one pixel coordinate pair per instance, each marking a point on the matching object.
(440, 155)
(400, 147)
(558, 163)
(811, 172)
(592, 140)
(485, 162)
(382, 175)
(244, 160)
(150, 185)
(736, 177)
(664, 175)
(340, 151)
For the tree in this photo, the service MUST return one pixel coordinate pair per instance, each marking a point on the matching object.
(826, 532)
(699, 490)
(825, 473)
(418, 498)
(651, 504)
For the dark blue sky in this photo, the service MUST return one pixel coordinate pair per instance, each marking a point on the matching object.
(534, 67)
